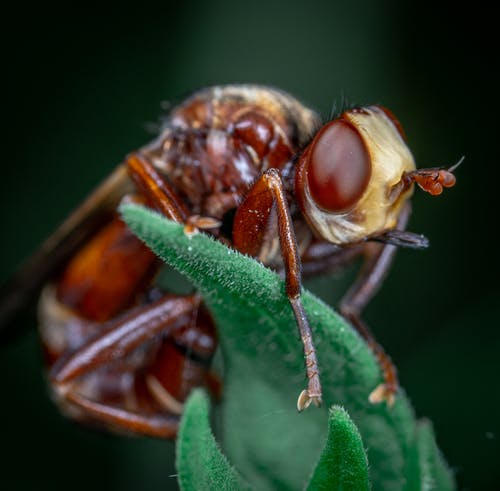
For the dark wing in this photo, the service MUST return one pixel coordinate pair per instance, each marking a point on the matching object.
(61, 245)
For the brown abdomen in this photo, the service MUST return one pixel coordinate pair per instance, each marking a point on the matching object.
(104, 276)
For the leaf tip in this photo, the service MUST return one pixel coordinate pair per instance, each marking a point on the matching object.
(343, 463)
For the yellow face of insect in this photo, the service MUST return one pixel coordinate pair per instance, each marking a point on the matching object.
(347, 173)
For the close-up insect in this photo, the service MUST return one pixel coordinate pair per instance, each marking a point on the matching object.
(259, 171)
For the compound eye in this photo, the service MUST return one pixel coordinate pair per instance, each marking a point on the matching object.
(338, 168)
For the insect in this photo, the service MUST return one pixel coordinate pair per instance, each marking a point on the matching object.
(261, 172)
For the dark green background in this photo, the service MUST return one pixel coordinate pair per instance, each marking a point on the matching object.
(82, 89)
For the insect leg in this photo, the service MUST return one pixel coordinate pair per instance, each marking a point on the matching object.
(248, 234)
(323, 257)
(378, 259)
(377, 262)
(155, 188)
(162, 196)
(159, 425)
(121, 336)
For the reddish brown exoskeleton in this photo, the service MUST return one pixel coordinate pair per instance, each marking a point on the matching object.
(256, 169)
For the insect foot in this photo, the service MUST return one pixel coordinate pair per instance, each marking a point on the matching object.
(306, 398)
(195, 222)
(383, 392)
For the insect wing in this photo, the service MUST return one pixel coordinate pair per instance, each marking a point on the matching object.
(58, 248)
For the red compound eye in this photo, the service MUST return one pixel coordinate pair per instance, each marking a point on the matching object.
(338, 167)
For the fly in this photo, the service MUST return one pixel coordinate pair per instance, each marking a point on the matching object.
(261, 172)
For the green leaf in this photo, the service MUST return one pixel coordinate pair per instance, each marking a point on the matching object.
(434, 473)
(343, 465)
(200, 463)
(268, 441)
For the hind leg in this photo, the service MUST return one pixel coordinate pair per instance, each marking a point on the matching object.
(118, 339)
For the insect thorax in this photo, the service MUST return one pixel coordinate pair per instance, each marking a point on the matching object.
(217, 142)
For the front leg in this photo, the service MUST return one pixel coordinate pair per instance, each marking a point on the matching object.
(378, 259)
(249, 229)
(160, 194)
(377, 262)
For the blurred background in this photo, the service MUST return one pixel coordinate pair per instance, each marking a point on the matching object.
(84, 88)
